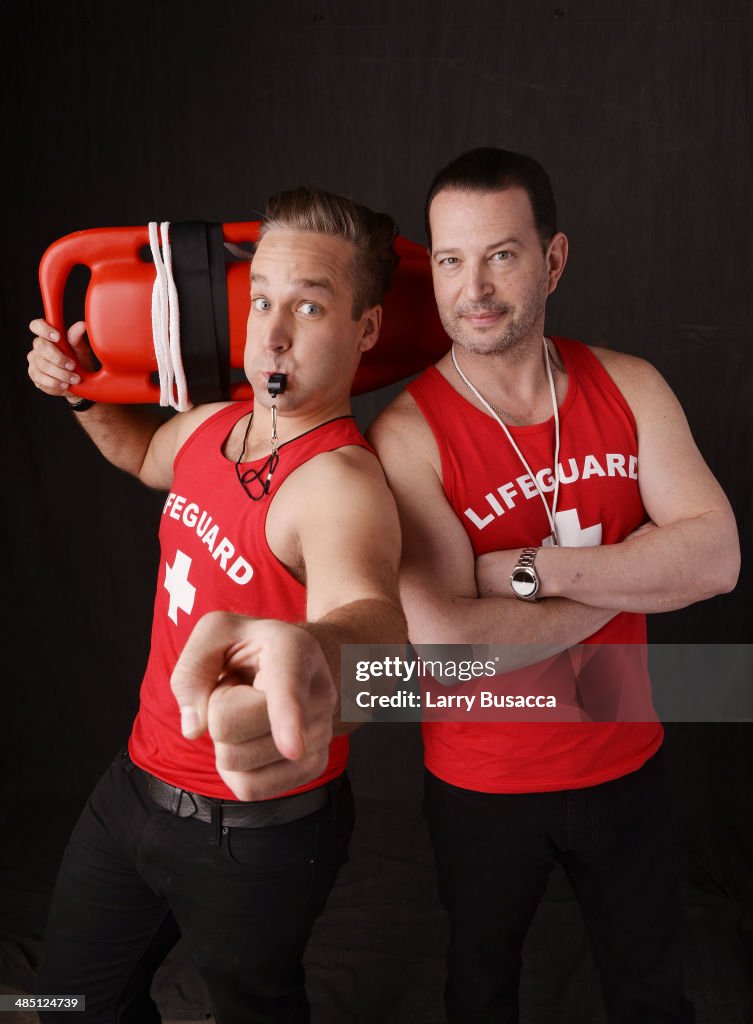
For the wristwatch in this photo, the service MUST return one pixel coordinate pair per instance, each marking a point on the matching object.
(524, 580)
(81, 405)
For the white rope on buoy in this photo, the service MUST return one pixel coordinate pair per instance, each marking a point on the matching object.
(166, 322)
(160, 317)
(176, 356)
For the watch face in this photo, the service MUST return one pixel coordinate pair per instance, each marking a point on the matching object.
(524, 582)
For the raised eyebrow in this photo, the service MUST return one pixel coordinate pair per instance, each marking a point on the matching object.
(308, 282)
(301, 282)
(505, 241)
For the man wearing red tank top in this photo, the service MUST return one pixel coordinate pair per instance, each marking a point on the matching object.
(228, 817)
(549, 494)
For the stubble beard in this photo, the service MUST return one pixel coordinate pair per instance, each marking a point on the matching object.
(514, 336)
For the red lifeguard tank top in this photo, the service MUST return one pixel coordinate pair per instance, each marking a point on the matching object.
(494, 498)
(215, 556)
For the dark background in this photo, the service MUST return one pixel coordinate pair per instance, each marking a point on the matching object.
(118, 114)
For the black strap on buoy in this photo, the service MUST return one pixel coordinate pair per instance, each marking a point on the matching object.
(198, 258)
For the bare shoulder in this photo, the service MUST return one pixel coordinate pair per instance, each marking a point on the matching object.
(401, 414)
(337, 500)
(638, 380)
(401, 431)
(188, 422)
(343, 471)
(327, 490)
(157, 466)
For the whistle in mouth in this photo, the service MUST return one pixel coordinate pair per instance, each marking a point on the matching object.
(276, 384)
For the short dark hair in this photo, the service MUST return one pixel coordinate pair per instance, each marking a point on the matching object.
(371, 234)
(493, 170)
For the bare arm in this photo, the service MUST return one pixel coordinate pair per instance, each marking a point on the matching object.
(694, 552)
(136, 439)
(351, 556)
(437, 580)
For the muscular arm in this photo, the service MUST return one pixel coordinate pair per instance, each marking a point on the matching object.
(135, 439)
(437, 580)
(694, 552)
(349, 544)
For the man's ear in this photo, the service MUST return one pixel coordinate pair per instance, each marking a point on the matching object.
(556, 258)
(371, 322)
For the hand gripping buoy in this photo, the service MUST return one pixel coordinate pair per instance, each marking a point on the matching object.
(210, 269)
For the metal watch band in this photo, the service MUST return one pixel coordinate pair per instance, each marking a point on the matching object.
(527, 557)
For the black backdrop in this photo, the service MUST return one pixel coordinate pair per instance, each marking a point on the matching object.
(118, 114)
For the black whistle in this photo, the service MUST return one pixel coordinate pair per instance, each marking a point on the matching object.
(276, 384)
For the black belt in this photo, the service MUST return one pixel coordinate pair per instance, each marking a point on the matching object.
(236, 813)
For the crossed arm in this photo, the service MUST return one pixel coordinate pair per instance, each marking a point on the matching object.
(437, 575)
(691, 553)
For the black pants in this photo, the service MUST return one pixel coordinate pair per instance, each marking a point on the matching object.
(134, 878)
(615, 841)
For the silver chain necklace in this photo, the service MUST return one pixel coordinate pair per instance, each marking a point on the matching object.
(502, 412)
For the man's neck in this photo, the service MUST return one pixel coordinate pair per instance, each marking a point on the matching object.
(289, 425)
(515, 380)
